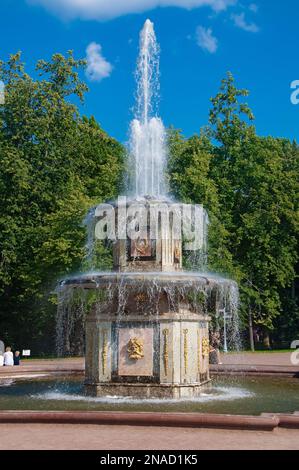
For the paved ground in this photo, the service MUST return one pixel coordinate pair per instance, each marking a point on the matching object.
(259, 359)
(90, 437)
(261, 363)
(45, 365)
(280, 362)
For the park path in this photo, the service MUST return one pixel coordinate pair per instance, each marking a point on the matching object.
(276, 363)
(271, 362)
(280, 359)
(89, 437)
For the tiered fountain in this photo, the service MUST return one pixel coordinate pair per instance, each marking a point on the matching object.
(147, 327)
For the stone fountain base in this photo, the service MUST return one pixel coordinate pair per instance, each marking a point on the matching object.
(166, 357)
(160, 391)
(147, 334)
(149, 350)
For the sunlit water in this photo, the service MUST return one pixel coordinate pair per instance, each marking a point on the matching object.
(240, 395)
(147, 147)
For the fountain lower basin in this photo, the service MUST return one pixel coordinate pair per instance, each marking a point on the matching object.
(228, 395)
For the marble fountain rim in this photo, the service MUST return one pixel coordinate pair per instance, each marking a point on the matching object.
(98, 279)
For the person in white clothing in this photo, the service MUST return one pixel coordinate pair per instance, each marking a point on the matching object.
(8, 357)
(1, 360)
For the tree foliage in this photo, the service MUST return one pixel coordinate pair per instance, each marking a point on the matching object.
(55, 165)
(250, 186)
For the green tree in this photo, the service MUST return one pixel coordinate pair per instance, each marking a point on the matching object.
(190, 180)
(258, 200)
(249, 185)
(54, 166)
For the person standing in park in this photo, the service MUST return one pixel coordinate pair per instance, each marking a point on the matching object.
(16, 358)
(2, 349)
(8, 357)
(214, 348)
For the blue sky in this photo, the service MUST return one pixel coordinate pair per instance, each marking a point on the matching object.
(256, 40)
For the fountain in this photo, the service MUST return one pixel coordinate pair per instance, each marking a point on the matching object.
(147, 325)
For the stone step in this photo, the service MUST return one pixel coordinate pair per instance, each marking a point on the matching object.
(188, 420)
(286, 420)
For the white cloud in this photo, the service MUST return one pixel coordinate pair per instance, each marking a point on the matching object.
(97, 66)
(240, 22)
(206, 40)
(253, 7)
(107, 9)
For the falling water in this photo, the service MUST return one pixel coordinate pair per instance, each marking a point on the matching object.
(147, 147)
(147, 161)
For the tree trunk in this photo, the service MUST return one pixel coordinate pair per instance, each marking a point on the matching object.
(251, 336)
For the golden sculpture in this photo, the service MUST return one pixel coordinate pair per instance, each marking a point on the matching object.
(135, 348)
(104, 351)
(205, 347)
(185, 350)
(198, 351)
(177, 254)
(141, 297)
(165, 351)
(141, 248)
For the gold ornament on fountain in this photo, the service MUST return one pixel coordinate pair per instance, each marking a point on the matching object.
(104, 352)
(140, 298)
(136, 348)
(177, 254)
(141, 248)
(198, 351)
(185, 332)
(205, 347)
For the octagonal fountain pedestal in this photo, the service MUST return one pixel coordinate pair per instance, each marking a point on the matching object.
(152, 349)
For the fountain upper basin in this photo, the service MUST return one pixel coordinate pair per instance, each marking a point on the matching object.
(99, 279)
